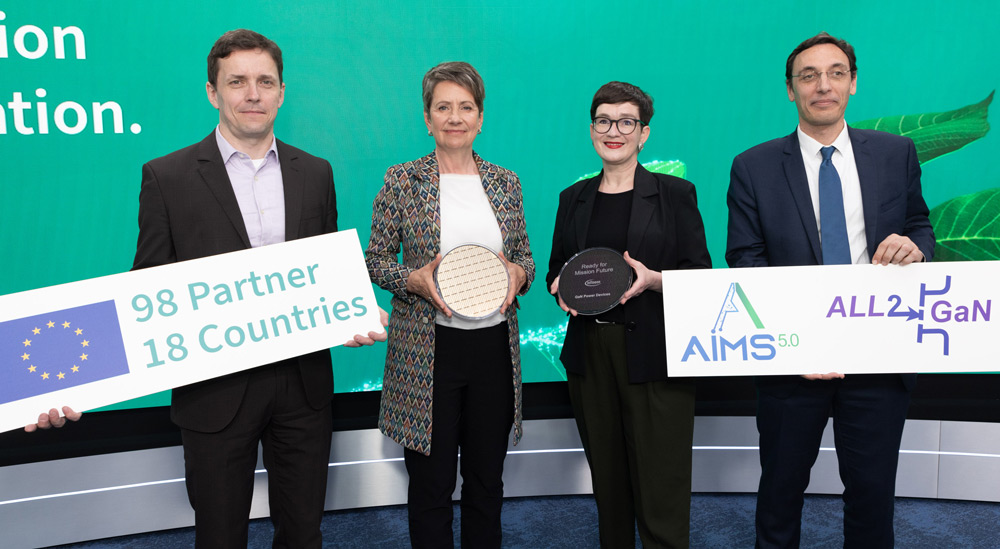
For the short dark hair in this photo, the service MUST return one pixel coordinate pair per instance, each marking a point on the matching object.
(241, 40)
(821, 38)
(459, 72)
(622, 92)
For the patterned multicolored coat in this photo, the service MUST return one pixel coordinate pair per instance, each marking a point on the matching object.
(407, 214)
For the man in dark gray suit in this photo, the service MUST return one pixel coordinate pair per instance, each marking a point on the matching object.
(240, 188)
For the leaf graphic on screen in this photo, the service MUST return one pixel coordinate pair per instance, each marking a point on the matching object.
(968, 227)
(675, 168)
(937, 133)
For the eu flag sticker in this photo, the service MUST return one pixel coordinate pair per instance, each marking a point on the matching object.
(61, 349)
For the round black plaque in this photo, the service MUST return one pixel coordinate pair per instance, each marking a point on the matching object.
(593, 281)
(472, 280)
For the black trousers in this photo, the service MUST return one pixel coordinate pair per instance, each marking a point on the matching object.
(296, 443)
(473, 409)
(868, 415)
(637, 437)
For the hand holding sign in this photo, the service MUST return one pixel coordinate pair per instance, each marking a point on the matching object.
(53, 419)
(372, 337)
(898, 250)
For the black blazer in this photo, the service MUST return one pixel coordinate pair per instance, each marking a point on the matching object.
(665, 232)
(771, 217)
(188, 210)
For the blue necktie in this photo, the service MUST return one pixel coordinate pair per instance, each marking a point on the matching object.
(833, 224)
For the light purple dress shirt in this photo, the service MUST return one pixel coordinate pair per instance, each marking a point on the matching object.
(259, 192)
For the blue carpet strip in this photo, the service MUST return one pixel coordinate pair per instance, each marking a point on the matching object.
(717, 521)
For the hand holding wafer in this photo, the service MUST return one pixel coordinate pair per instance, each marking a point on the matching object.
(421, 283)
(517, 279)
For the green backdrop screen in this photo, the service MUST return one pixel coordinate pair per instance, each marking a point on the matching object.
(89, 91)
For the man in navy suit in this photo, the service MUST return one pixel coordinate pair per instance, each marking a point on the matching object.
(828, 194)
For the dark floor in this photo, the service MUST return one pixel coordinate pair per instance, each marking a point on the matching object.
(717, 521)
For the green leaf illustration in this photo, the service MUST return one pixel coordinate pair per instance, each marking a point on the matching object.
(675, 168)
(968, 227)
(937, 133)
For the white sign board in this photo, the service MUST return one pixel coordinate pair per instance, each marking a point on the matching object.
(96, 342)
(927, 317)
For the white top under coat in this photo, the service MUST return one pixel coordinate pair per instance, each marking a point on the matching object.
(467, 218)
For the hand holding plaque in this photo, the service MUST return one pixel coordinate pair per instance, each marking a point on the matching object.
(594, 280)
(643, 280)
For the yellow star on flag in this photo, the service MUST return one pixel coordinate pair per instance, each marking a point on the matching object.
(36, 331)
(79, 331)
(45, 375)
(85, 343)
(65, 324)
(83, 356)
(32, 368)
(27, 343)
(61, 375)
(76, 368)
(51, 324)
(25, 356)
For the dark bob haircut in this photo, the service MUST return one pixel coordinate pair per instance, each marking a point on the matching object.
(622, 92)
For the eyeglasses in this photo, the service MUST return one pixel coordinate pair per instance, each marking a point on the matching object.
(811, 77)
(625, 125)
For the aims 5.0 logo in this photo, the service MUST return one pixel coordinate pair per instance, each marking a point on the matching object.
(749, 339)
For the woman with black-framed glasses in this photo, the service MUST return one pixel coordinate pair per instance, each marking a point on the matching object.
(636, 425)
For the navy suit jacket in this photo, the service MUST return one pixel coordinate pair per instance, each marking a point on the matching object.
(188, 210)
(771, 217)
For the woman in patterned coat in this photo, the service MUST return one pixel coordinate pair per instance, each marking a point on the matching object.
(450, 382)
